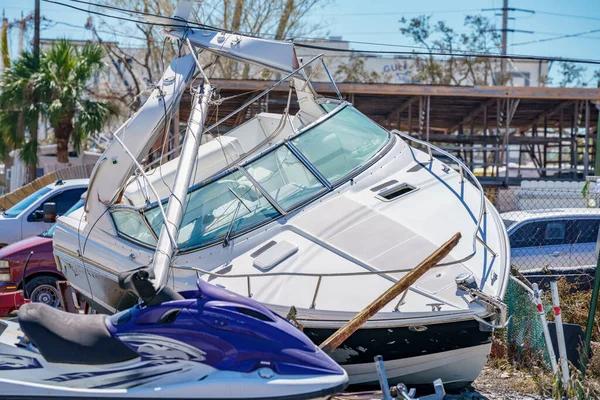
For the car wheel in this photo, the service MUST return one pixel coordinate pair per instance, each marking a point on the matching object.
(42, 289)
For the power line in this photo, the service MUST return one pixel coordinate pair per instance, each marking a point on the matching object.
(436, 53)
(445, 54)
(568, 15)
(558, 37)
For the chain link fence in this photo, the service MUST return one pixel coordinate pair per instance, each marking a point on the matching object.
(553, 230)
(552, 226)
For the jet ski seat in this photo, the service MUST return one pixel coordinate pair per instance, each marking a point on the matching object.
(63, 337)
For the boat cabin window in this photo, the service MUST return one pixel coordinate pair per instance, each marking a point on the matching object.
(210, 210)
(281, 174)
(132, 224)
(342, 143)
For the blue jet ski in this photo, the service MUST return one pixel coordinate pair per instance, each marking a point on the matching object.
(203, 344)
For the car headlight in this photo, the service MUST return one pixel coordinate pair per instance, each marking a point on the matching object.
(4, 277)
(4, 264)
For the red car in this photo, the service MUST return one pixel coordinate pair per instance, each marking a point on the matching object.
(40, 282)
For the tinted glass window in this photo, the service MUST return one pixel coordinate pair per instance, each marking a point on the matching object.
(529, 235)
(130, 223)
(284, 177)
(542, 233)
(21, 206)
(230, 203)
(65, 200)
(342, 143)
(584, 231)
(555, 232)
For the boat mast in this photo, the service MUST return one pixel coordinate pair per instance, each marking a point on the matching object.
(187, 160)
(165, 247)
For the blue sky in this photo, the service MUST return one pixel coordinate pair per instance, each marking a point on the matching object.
(377, 21)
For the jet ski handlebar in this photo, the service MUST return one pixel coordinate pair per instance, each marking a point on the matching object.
(139, 282)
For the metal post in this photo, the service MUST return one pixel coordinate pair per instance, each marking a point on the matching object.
(537, 296)
(592, 310)
(191, 142)
(560, 334)
(586, 150)
(383, 382)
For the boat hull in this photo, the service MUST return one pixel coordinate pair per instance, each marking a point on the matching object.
(415, 355)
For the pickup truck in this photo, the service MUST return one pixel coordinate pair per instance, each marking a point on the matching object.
(26, 218)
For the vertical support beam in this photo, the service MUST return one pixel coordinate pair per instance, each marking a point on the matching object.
(485, 129)
(560, 137)
(545, 170)
(421, 117)
(506, 135)
(427, 118)
(597, 153)
(498, 127)
(574, 129)
(472, 144)
(410, 118)
(586, 146)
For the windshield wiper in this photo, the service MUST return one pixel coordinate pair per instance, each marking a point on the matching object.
(237, 210)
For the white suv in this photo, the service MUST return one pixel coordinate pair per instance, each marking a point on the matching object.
(553, 238)
(26, 218)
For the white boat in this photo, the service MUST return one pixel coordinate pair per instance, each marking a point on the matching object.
(316, 213)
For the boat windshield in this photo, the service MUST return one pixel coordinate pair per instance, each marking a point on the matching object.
(224, 206)
(235, 202)
(342, 143)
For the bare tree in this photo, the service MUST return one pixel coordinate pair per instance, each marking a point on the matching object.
(278, 19)
(482, 37)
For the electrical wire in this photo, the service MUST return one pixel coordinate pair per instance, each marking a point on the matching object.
(446, 54)
(413, 53)
(571, 35)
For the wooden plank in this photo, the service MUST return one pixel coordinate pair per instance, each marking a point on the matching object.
(397, 288)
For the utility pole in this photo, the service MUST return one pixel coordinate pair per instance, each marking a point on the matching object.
(32, 168)
(504, 37)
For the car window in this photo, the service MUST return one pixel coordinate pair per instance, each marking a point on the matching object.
(21, 206)
(540, 233)
(530, 234)
(584, 231)
(65, 200)
(555, 233)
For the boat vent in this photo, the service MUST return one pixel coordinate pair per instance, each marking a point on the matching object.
(253, 313)
(395, 192)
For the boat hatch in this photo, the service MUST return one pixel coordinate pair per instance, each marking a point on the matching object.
(274, 255)
(395, 192)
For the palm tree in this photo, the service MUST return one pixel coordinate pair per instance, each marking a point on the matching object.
(65, 72)
(60, 85)
(18, 111)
